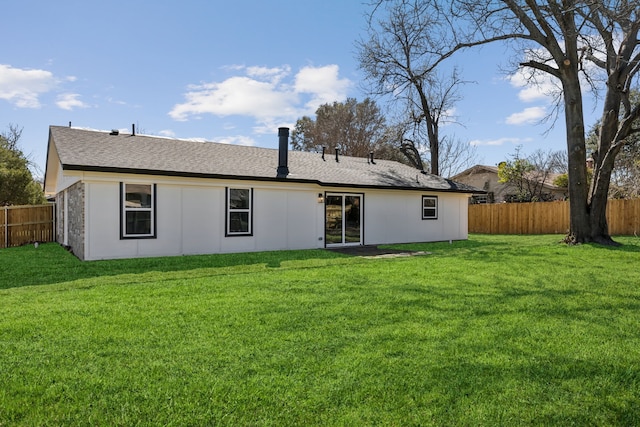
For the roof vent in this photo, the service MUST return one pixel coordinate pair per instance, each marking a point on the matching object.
(283, 152)
(337, 154)
(114, 132)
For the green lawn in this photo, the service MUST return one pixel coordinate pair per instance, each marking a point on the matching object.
(497, 330)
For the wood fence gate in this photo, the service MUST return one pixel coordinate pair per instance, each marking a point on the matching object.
(26, 224)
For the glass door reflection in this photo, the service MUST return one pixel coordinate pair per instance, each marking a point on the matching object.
(343, 219)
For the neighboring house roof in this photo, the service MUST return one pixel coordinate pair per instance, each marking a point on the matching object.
(477, 169)
(90, 150)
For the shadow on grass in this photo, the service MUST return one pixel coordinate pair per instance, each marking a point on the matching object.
(627, 244)
(552, 352)
(542, 389)
(50, 263)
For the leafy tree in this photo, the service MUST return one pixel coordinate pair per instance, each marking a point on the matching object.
(17, 186)
(514, 172)
(528, 174)
(571, 42)
(355, 128)
(561, 180)
(399, 58)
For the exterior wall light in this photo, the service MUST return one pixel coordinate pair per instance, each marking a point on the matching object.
(320, 198)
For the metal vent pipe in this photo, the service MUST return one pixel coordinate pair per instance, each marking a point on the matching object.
(283, 153)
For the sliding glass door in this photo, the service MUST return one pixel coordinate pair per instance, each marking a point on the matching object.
(343, 219)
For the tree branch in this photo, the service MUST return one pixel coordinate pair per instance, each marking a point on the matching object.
(542, 67)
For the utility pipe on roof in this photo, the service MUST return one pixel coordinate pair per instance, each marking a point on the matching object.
(283, 152)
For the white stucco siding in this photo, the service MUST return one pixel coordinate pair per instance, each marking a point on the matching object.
(202, 219)
(169, 224)
(396, 217)
(463, 209)
(303, 214)
(102, 222)
(66, 180)
(282, 219)
(270, 219)
(190, 219)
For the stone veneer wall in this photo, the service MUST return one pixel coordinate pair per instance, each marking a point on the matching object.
(60, 219)
(75, 218)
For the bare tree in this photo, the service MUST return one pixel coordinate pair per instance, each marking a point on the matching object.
(625, 177)
(11, 136)
(530, 174)
(596, 40)
(456, 155)
(399, 59)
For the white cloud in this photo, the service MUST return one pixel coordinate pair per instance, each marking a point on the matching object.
(115, 101)
(236, 140)
(323, 84)
(529, 115)
(269, 127)
(235, 96)
(532, 94)
(23, 87)
(534, 88)
(69, 101)
(275, 75)
(268, 95)
(499, 141)
(167, 133)
(534, 84)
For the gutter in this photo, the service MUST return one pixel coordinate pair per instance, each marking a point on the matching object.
(133, 171)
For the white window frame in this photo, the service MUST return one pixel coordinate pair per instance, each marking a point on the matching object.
(229, 211)
(425, 208)
(124, 209)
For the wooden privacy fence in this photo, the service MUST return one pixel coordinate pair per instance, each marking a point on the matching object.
(26, 224)
(623, 217)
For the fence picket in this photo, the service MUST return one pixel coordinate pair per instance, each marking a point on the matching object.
(623, 217)
(26, 224)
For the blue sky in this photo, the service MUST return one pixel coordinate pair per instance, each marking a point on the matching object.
(229, 72)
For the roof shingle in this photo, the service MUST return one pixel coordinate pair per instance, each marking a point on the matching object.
(80, 149)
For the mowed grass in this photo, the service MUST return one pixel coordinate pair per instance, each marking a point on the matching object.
(496, 330)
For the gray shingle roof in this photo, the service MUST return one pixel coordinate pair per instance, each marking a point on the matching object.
(89, 150)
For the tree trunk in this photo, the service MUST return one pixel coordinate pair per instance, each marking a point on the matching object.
(580, 224)
(434, 146)
(603, 167)
(432, 129)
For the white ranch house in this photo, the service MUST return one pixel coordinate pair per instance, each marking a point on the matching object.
(126, 195)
